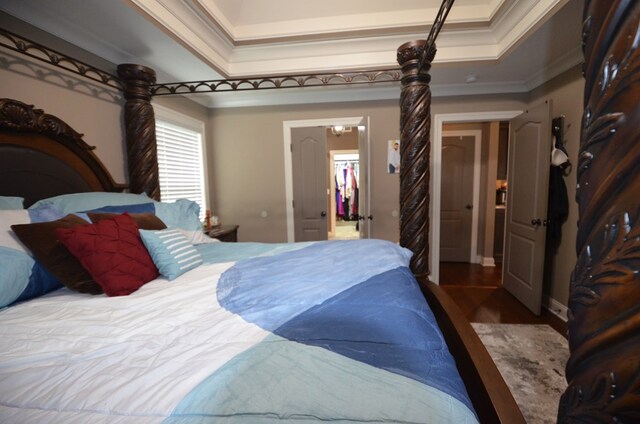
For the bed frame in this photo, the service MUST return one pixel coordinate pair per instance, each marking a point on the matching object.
(41, 156)
(604, 313)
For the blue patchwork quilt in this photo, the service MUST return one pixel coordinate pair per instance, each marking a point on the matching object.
(350, 339)
(306, 332)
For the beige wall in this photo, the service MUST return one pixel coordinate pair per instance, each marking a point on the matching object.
(247, 160)
(90, 108)
(245, 154)
(247, 165)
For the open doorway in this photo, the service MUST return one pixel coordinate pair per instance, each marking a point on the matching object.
(523, 205)
(466, 149)
(344, 172)
(359, 130)
(486, 202)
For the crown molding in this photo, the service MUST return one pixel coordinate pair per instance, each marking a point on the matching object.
(290, 49)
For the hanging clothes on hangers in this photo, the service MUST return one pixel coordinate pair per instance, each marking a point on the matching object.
(346, 180)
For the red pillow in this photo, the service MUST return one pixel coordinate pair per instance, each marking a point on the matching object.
(112, 252)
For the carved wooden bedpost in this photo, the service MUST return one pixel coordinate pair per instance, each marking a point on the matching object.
(142, 156)
(415, 146)
(603, 370)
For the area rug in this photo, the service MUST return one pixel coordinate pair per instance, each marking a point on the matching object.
(531, 359)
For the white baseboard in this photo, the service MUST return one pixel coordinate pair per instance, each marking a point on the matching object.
(555, 307)
(488, 262)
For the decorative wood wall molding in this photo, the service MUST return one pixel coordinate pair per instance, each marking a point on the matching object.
(52, 57)
(603, 371)
(275, 82)
(37, 51)
(140, 130)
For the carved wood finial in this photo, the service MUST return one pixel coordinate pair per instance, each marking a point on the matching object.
(142, 156)
(18, 116)
(415, 145)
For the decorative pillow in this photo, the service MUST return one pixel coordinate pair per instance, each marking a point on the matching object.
(14, 278)
(119, 209)
(22, 278)
(137, 208)
(171, 251)
(43, 242)
(113, 253)
(144, 221)
(183, 214)
(11, 202)
(68, 203)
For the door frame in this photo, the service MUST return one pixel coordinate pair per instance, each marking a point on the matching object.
(436, 168)
(288, 163)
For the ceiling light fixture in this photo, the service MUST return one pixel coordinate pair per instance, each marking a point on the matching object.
(338, 130)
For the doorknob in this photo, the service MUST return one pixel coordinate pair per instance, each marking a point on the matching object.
(323, 214)
(370, 217)
(536, 222)
(469, 207)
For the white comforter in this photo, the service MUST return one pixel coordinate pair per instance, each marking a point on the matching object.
(108, 356)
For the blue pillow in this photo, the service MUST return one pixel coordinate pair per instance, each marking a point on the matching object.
(11, 202)
(171, 251)
(76, 202)
(22, 277)
(185, 215)
(137, 208)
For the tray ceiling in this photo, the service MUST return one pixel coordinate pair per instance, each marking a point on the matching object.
(486, 46)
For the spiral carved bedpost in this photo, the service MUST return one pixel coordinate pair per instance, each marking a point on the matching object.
(603, 370)
(415, 145)
(142, 156)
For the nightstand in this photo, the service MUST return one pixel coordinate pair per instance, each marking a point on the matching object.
(224, 233)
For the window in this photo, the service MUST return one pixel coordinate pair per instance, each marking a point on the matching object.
(180, 143)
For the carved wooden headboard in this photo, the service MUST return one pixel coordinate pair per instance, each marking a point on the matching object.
(41, 156)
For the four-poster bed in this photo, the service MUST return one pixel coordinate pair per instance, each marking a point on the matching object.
(603, 328)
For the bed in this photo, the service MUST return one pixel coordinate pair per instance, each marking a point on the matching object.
(602, 371)
(249, 332)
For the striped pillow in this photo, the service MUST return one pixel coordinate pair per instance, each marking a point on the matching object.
(171, 251)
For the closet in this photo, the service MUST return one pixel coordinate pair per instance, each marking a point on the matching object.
(344, 186)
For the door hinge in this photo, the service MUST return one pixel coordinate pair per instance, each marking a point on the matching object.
(293, 203)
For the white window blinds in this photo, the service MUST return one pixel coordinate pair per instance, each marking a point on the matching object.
(180, 163)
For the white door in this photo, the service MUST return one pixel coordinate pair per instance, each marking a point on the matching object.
(365, 219)
(310, 183)
(528, 184)
(456, 199)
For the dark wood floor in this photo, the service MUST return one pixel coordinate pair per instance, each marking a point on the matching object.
(478, 291)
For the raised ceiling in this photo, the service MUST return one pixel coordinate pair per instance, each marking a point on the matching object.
(486, 46)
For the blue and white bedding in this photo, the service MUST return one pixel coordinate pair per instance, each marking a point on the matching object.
(329, 331)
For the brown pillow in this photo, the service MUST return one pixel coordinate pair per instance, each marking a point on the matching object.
(43, 242)
(144, 221)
